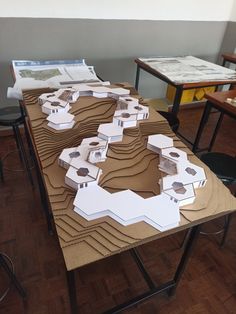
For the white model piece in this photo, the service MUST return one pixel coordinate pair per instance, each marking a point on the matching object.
(168, 166)
(54, 107)
(68, 154)
(45, 97)
(125, 120)
(82, 176)
(187, 173)
(181, 194)
(52, 98)
(158, 141)
(96, 149)
(61, 121)
(127, 207)
(131, 105)
(110, 132)
(69, 95)
(174, 154)
(128, 112)
(107, 91)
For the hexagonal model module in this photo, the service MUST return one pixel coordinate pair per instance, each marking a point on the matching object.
(110, 132)
(158, 142)
(61, 121)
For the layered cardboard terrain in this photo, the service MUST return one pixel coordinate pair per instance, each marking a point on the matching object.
(129, 166)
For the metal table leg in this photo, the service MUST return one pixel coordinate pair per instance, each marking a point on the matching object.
(216, 131)
(202, 124)
(23, 153)
(226, 229)
(137, 77)
(178, 95)
(72, 291)
(169, 286)
(185, 257)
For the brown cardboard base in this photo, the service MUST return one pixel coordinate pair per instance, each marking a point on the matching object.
(129, 165)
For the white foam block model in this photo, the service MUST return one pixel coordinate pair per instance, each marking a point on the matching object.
(49, 108)
(82, 174)
(52, 98)
(110, 132)
(158, 141)
(96, 147)
(61, 121)
(187, 173)
(107, 91)
(168, 166)
(127, 207)
(69, 95)
(174, 154)
(45, 97)
(131, 106)
(125, 120)
(182, 194)
(68, 154)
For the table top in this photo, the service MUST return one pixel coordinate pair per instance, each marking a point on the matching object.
(231, 57)
(219, 99)
(188, 71)
(128, 165)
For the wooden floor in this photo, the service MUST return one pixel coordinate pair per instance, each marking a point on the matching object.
(208, 284)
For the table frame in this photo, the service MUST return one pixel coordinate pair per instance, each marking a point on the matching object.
(179, 87)
(205, 116)
(169, 286)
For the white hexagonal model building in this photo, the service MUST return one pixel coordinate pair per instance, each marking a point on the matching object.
(61, 121)
(110, 132)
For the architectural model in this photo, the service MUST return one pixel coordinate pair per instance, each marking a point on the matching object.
(177, 185)
(127, 207)
(58, 102)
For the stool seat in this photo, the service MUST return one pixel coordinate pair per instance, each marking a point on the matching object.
(11, 122)
(223, 165)
(171, 118)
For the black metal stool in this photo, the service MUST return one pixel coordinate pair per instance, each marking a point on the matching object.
(12, 116)
(224, 166)
(171, 119)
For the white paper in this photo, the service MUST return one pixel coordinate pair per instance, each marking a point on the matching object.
(189, 69)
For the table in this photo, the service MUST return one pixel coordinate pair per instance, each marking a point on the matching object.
(215, 100)
(187, 82)
(228, 57)
(83, 242)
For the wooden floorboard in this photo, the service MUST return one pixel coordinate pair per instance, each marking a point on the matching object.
(207, 286)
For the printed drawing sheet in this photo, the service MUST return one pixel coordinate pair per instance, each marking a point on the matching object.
(54, 74)
(189, 69)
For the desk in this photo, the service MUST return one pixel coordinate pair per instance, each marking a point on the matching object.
(222, 75)
(83, 242)
(217, 101)
(228, 57)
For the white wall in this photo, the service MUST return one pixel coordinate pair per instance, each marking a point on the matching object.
(233, 12)
(195, 10)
